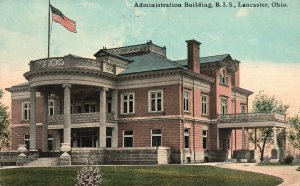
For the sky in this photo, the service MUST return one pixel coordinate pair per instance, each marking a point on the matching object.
(265, 40)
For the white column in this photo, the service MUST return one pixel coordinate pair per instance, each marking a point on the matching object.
(45, 122)
(32, 120)
(255, 139)
(67, 115)
(243, 138)
(275, 138)
(115, 111)
(218, 139)
(102, 128)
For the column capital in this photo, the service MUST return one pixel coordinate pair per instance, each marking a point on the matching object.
(104, 89)
(66, 85)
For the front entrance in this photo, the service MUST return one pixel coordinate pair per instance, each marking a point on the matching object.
(86, 137)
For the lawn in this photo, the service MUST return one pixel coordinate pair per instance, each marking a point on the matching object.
(138, 175)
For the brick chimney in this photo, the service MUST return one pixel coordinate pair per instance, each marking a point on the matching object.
(193, 55)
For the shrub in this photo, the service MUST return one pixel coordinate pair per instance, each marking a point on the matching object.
(89, 175)
(289, 159)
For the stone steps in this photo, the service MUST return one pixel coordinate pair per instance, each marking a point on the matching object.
(43, 162)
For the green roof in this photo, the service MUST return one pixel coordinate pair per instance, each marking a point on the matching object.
(208, 59)
(149, 62)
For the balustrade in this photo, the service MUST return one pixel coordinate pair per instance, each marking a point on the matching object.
(251, 117)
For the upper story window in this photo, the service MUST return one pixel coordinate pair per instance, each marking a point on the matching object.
(223, 77)
(156, 137)
(50, 107)
(186, 101)
(224, 106)
(243, 108)
(155, 101)
(127, 103)
(204, 104)
(25, 111)
(109, 104)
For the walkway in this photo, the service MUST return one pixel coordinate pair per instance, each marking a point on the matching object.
(289, 174)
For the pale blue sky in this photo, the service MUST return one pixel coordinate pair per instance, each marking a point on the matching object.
(265, 40)
(269, 34)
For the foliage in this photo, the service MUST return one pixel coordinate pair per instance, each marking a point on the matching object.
(265, 104)
(5, 132)
(289, 159)
(89, 175)
(187, 175)
(281, 140)
(294, 131)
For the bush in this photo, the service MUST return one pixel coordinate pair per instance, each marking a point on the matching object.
(89, 175)
(289, 159)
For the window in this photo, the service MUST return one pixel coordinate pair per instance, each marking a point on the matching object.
(156, 137)
(186, 106)
(89, 107)
(109, 104)
(26, 111)
(223, 106)
(204, 139)
(205, 104)
(51, 108)
(108, 136)
(155, 101)
(186, 138)
(243, 108)
(27, 141)
(128, 138)
(50, 141)
(223, 78)
(127, 106)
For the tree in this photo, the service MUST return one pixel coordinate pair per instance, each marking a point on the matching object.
(5, 132)
(294, 131)
(265, 104)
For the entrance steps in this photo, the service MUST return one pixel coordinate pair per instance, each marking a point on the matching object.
(43, 162)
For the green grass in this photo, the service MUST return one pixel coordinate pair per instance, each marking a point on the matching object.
(138, 175)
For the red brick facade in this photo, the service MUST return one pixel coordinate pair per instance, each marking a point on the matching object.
(197, 79)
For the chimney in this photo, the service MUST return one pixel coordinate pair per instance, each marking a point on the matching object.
(193, 55)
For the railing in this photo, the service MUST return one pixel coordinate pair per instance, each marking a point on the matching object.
(251, 117)
(66, 62)
(80, 118)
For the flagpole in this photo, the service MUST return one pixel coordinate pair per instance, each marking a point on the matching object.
(49, 29)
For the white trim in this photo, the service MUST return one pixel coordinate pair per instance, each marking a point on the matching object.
(128, 101)
(155, 92)
(206, 104)
(28, 111)
(221, 105)
(186, 134)
(156, 135)
(188, 100)
(128, 136)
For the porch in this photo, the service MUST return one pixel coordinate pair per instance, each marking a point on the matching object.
(244, 122)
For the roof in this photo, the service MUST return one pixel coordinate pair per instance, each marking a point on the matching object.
(18, 87)
(149, 62)
(106, 52)
(208, 59)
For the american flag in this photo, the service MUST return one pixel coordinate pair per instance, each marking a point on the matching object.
(60, 18)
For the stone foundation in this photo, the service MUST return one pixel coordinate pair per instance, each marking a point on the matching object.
(121, 156)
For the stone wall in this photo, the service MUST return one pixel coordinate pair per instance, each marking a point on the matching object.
(121, 156)
(217, 155)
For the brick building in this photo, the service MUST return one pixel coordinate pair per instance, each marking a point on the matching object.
(134, 97)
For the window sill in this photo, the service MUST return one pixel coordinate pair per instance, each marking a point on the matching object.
(224, 84)
(205, 115)
(127, 114)
(187, 112)
(156, 112)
